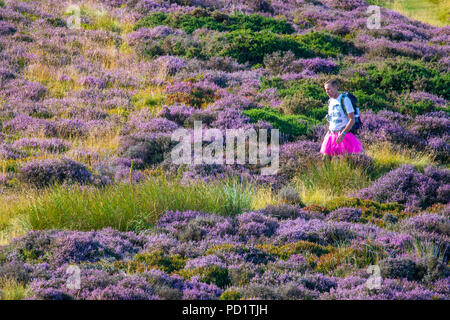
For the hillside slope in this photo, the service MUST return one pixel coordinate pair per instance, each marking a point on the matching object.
(92, 93)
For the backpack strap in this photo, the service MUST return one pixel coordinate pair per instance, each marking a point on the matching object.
(341, 100)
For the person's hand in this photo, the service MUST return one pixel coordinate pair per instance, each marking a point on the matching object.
(340, 138)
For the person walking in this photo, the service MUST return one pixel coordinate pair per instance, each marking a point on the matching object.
(339, 140)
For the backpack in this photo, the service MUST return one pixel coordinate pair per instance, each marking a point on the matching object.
(354, 101)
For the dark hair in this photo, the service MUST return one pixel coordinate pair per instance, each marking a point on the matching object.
(333, 82)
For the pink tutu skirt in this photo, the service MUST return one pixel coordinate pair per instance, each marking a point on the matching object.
(350, 144)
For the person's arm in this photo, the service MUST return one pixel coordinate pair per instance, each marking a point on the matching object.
(350, 123)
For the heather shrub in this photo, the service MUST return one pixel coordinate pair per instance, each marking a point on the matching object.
(390, 218)
(428, 223)
(377, 128)
(297, 247)
(68, 128)
(16, 271)
(404, 185)
(210, 226)
(150, 148)
(205, 117)
(301, 104)
(400, 267)
(50, 145)
(284, 211)
(177, 113)
(41, 173)
(298, 156)
(292, 291)
(440, 148)
(345, 214)
(428, 125)
(369, 209)
(60, 247)
(253, 224)
(259, 291)
(209, 274)
(289, 195)
(278, 62)
(197, 94)
(156, 258)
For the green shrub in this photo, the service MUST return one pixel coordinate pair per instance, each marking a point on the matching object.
(301, 104)
(209, 274)
(326, 45)
(372, 101)
(218, 21)
(298, 247)
(245, 45)
(230, 294)
(400, 75)
(371, 210)
(292, 125)
(155, 259)
(257, 22)
(415, 108)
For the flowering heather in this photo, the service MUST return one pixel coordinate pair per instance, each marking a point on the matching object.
(157, 125)
(431, 126)
(355, 288)
(169, 64)
(421, 96)
(318, 65)
(428, 223)
(50, 145)
(30, 125)
(44, 172)
(97, 284)
(127, 175)
(285, 211)
(397, 117)
(67, 91)
(8, 152)
(378, 128)
(406, 186)
(68, 128)
(177, 113)
(295, 156)
(345, 214)
(253, 224)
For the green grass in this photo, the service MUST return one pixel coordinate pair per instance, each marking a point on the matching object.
(12, 290)
(126, 207)
(330, 180)
(435, 12)
(387, 157)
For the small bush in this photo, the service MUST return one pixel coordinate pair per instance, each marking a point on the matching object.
(325, 44)
(292, 125)
(41, 173)
(400, 267)
(245, 45)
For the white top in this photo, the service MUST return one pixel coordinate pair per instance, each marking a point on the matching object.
(336, 116)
